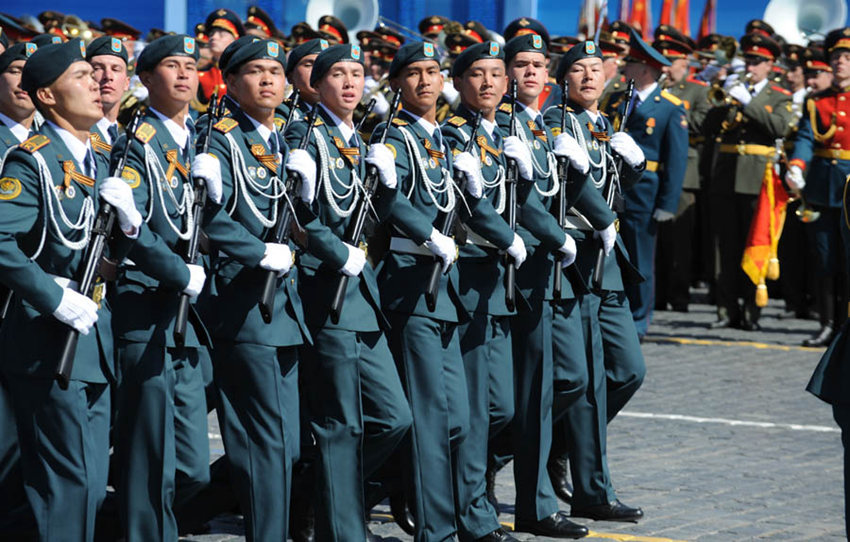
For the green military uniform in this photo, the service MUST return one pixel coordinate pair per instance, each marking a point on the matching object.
(679, 239)
(425, 344)
(161, 393)
(356, 402)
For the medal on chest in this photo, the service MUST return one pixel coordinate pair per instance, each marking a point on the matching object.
(650, 125)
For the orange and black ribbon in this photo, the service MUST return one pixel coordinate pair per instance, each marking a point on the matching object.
(269, 161)
(350, 153)
(537, 133)
(433, 153)
(71, 174)
(174, 163)
(599, 136)
(99, 144)
(485, 148)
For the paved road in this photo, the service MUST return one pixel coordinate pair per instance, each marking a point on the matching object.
(721, 443)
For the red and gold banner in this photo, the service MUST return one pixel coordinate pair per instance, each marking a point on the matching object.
(708, 21)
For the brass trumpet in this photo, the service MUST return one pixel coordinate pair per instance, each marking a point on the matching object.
(717, 95)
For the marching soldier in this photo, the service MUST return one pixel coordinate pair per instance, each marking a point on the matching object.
(108, 57)
(52, 180)
(615, 365)
(357, 407)
(745, 132)
(549, 369)
(660, 128)
(222, 27)
(299, 65)
(255, 363)
(818, 169)
(161, 443)
(678, 238)
(16, 107)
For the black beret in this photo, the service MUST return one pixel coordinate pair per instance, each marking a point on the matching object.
(46, 64)
(46, 39)
(225, 20)
(311, 47)
(524, 26)
(533, 43)
(18, 51)
(231, 49)
(479, 51)
(332, 55)
(164, 47)
(410, 52)
(106, 45)
(579, 51)
(255, 50)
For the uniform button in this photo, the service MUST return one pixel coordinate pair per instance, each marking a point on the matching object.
(841, 128)
(841, 98)
(842, 113)
(834, 162)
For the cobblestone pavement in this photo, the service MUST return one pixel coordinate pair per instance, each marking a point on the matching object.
(721, 443)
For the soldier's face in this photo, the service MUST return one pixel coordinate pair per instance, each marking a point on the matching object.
(342, 88)
(530, 71)
(840, 62)
(258, 84)
(14, 101)
(74, 96)
(111, 75)
(174, 80)
(818, 80)
(420, 83)
(219, 40)
(300, 79)
(677, 70)
(483, 84)
(759, 67)
(611, 67)
(586, 80)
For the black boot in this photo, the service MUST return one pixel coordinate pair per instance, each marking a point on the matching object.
(557, 468)
(826, 307)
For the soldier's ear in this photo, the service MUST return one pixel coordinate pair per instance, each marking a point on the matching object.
(45, 96)
(456, 83)
(145, 78)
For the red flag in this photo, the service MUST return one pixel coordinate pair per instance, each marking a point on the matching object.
(708, 21)
(640, 19)
(666, 12)
(683, 16)
(760, 261)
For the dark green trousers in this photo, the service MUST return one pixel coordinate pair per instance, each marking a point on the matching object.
(14, 508)
(359, 416)
(258, 412)
(64, 440)
(485, 344)
(161, 444)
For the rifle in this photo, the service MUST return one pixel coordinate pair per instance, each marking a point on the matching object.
(563, 173)
(370, 184)
(448, 223)
(293, 104)
(191, 256)
(511, 180)
(609, 190)
(283, 225)
(94, 252)
(369, 107)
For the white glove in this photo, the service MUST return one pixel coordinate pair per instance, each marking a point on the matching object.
(197, 277)
(355, 263)
(570, 250)
(568, 147)
(608, 236)
(794, 178)
(76, 310)
(382, 158)
(660, 215)
(470, 166)
(517, 251)
(278, 258)
(299, 161)
(118, 193)
(625, 146)
(207, 167)
(443, 247)
(516, 149)
(740, 93)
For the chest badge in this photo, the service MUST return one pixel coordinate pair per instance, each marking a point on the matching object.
(650, 125)
(261, 173)
(70, 191)
(339, 163)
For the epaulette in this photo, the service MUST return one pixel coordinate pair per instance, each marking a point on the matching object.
(225, 125)
(34, 143)
(505, 107)
(145, 132)
(780, 90)
(399, 122)
(694, 80)
(457, 121)
(671, 98)
(603, 113)
(279, 122)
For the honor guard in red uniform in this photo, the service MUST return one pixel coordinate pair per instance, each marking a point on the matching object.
(223, 27)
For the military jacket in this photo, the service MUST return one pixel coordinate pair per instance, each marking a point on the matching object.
(660, 128)
(589, 201)
(822, 146)
(7, 140)
(237, 229)
(149, 284)
(694, 96)
(340, 171)
(44, 225)
(830, 381)
(482, 284)
(424, 170)
(744, 139)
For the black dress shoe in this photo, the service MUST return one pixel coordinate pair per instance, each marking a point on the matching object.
(613, 511)
(748, 325)
(401, 514)
(558, 476)
(490, 478)
(555, 526)
(821, 338)
(499, 535)
(720, 324)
